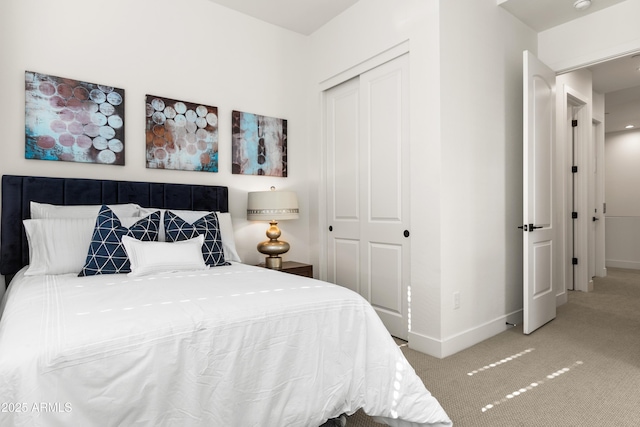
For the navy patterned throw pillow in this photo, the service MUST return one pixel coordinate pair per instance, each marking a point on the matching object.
(106, 252)
(177, 229)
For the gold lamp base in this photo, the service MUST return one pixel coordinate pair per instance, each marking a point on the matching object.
(273, 262)
(273, 247)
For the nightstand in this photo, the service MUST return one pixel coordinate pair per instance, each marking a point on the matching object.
(297, 268)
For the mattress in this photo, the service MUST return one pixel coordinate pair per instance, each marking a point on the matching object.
(234, 345)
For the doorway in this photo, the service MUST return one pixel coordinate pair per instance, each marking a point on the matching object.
(615, 81)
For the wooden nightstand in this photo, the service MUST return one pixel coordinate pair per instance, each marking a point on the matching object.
(297, 268)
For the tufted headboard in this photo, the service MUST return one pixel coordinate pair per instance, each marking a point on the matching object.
(19, 191)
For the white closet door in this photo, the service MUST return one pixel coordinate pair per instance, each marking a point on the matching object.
(367, 191)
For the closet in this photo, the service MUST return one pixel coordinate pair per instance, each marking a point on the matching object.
(367, 173)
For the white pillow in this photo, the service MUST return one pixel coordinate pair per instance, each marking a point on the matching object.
(162, 257)
(58, 245)
(224, 220)
(228, 237)
(45, 210)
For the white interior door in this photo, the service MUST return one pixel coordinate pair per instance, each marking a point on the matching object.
(538, 193)
(367, 191)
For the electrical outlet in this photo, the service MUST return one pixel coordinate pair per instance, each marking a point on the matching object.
(456, 300)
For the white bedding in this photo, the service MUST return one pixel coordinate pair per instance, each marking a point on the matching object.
(229, 346)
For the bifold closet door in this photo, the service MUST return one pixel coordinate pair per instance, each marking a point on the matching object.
(367, 189)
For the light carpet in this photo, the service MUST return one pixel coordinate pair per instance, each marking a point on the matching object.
(580, 369)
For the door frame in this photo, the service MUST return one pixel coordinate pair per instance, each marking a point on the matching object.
(575, 105)
(599, 199)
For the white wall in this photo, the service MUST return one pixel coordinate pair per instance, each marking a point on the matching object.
(466, 170)
(192, 50)
(369, 29)
(622, 154)
(602, 35)
(482, 168)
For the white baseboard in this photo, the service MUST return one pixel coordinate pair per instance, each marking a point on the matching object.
(562, 298)
(634, 265)
(466, 339)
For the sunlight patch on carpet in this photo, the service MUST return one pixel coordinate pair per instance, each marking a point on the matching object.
(500, 362)
(521, 391)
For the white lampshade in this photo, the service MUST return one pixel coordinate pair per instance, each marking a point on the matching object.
(272, 205)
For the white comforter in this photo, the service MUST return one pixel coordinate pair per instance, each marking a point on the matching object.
(230, 346)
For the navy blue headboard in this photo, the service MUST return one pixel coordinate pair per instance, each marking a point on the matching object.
(18, 191)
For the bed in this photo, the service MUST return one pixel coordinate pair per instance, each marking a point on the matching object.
(168, 340)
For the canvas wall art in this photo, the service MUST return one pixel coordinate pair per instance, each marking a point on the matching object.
(72, 120)
(181, 135)
(259, 145)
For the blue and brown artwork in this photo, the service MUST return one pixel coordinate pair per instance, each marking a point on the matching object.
(181, 135)
(73, 121)
(259, 145)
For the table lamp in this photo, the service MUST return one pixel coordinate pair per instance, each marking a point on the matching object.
(272, 206)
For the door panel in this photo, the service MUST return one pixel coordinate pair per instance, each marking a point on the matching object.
(367, 189)
(538, 193)
(347, 254)
(542, 149)
(344, 151)
(384, 125)
(543, 260)
(383, 111)
(386, 267)
(342, 106)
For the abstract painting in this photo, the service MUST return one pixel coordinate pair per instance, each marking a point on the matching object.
(73, 121)
(181, 135)
(259, 145)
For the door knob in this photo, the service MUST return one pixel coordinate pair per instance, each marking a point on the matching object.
(406, 233)
(331, 228)
(595, 218)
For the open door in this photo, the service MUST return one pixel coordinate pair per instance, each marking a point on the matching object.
(538, 193)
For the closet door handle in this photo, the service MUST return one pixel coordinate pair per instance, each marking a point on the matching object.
(331, 228)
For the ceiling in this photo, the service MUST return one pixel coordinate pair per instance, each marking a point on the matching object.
(301, 16)
(618, 79)
(544, 14)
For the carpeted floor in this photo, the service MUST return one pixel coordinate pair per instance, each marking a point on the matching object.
(581, 369)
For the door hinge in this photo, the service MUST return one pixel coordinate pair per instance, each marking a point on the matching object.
(574, 169)
(574, 261)
(574, 123)
(574, 215)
